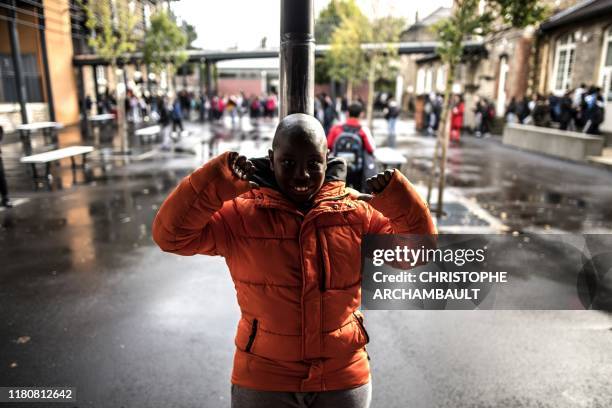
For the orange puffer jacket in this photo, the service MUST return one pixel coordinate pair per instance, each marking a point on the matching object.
(297, 276)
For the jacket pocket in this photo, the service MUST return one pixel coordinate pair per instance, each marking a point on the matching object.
(252, 336)
(359, 318)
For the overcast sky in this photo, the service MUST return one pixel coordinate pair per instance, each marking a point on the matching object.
(226, 23)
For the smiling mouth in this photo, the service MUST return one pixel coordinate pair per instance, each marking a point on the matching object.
(300, 189)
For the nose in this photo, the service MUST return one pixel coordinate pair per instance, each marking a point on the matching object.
(301, 173)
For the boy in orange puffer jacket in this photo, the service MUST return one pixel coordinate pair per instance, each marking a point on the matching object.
(291, 232)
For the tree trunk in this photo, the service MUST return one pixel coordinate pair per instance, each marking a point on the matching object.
(443, 135)
(121, 113)
(349, 90)
(169, 83)
(370, 107)
(432, 172)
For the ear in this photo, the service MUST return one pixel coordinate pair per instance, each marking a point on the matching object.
(271, 157)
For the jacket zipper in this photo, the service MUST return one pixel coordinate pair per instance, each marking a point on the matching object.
(252, 336)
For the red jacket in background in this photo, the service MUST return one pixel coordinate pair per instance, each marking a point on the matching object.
(364, 133)
(457, 120)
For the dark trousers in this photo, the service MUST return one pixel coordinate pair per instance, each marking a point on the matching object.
(3, 185)
(177, 123)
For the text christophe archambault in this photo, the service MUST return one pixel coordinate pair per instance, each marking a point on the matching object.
(418, 283)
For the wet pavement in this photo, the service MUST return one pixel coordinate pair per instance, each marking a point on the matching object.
(522, 190)
(87, 300)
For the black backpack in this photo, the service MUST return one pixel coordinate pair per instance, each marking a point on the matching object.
(349, 146)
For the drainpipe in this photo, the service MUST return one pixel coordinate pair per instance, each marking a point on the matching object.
(17, 65)
(43, 50)
(297, 57)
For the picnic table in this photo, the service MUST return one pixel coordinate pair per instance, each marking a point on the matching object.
(148, 133)
(101, 121)
(47, 158)
(49, 131)
(389, 157)
(103, 117)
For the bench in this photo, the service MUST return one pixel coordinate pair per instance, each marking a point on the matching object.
(54, 155)
(388, 157)
(554, 142)
(49, 131)
(148, 134)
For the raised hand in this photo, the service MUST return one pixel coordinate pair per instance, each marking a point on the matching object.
(378, 183)
(242, 168)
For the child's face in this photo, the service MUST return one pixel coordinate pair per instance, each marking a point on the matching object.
(299, 165)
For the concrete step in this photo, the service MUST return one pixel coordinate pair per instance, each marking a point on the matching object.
(605, 160)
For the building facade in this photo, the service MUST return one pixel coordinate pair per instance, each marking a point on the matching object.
(36, 75)
(39, 41)
(574, 49)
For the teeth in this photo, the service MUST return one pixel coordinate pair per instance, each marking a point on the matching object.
(301, 189)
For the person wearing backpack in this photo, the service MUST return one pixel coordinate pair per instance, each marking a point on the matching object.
(354, 143)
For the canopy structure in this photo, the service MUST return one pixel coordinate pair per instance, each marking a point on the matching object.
(212, 56)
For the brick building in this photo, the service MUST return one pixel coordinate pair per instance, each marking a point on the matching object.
(39, 41)
(36, 76)
(574, 48)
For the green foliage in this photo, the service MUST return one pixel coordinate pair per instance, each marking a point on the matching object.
(385, 30)
(520, 13)
(346, 28)
(330, 18)
(465, 22)
(190, 33)
(346, 59)
(165, 42)
(112, 28)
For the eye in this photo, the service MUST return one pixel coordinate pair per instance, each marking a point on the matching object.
(315, 165)
(287, 163)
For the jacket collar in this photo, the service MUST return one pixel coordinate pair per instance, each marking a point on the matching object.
(269, 195)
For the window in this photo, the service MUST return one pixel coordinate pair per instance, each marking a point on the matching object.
(606, 69)
(564, 61)
(429, 80)
(31, 76)
(420, 85)
(608, 48)
(440, 78)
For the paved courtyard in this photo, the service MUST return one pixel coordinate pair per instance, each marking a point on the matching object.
(87, 300)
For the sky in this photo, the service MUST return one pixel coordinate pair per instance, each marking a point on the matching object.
(222, 24)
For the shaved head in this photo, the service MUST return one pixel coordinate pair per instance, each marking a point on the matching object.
(300, 126)
(299, 157)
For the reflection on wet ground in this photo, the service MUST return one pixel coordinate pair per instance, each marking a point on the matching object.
(523, 190)
(106, 311)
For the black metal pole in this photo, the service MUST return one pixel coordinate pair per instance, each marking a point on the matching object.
(96, 87)
(45, 61)
(208, 79)
(17, 65)
(297, 57)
